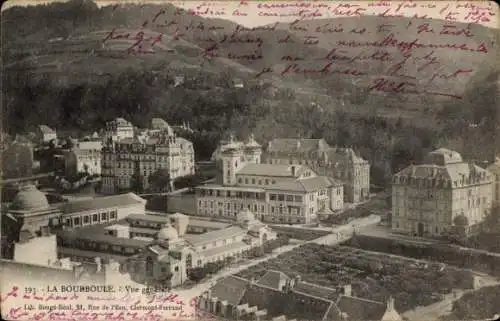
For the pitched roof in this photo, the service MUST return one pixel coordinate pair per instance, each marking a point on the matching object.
(273, 279)
(85, 234)
(102, 203)
(296, 144)
(230, 289)
(358, 309)
(305, 184)
(450, 174)
(148, 218)
(317, 290)
(225, 248)
(46, 129)
(200, 239)
(275, 170)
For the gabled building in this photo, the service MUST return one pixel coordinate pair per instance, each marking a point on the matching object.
(278, 297)
(428, 198)
(173, 252)
(127, 163)
(84, 157)
(339, 163)
(276, 193)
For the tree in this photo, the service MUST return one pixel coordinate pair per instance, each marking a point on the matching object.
(136, 183)
(160, 180)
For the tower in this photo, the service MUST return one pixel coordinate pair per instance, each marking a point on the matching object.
(232, 160)
(253, 150)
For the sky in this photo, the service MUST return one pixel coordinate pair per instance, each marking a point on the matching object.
(485, 11)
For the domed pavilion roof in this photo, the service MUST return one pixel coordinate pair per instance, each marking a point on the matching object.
(30, 198)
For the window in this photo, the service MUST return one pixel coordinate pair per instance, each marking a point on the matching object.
(289, 198)
(260, 182)
(298, 198)
(240, 180)
(86, 219)
(281, 198)
(76, 221)
(95, 218)
(253, 181)
(267, 182)
(104, 216)
(272, 197)
(246, 180)
(113, 214)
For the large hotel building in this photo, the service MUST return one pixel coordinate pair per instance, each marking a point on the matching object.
(343, 164)
(428, 198)
(129, 158)
(273, 192)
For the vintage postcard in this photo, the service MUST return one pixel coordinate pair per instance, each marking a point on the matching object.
(250, 160)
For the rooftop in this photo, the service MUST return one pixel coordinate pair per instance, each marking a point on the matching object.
(296, 144)
(121, 200)
(275, 170)
(85, 234)
(306, 184)
(200, 239)
(273, 279)
(46, 129)
(309, 301)
(225, 249)
(148, 218)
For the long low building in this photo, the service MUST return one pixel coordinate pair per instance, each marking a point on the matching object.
(30, 215)
(151, 247)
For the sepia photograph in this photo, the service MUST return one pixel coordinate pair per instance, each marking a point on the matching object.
(250, 160)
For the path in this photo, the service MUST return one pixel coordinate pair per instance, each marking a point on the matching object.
(436, 310)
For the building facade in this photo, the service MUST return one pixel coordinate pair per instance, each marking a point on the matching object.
(494, 169)
(159, 249)
(274, 192)
(129, 162)
(428, 198)
(84, 157)
(339, 163)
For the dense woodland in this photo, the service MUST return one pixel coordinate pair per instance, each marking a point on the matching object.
(213, 107)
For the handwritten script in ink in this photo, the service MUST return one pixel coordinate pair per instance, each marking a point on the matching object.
(20, 305)
(407, 47)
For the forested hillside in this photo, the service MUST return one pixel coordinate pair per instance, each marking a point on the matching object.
(59, 71)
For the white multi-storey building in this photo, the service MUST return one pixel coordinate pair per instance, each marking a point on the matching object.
(118, 129)
(131, 160)
(427, 198)
(275, 193)
(84, 157)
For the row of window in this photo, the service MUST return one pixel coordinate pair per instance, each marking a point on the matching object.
(235, 194)
(87, 245)
(254, 181)
(96, 218)
(283, 197)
